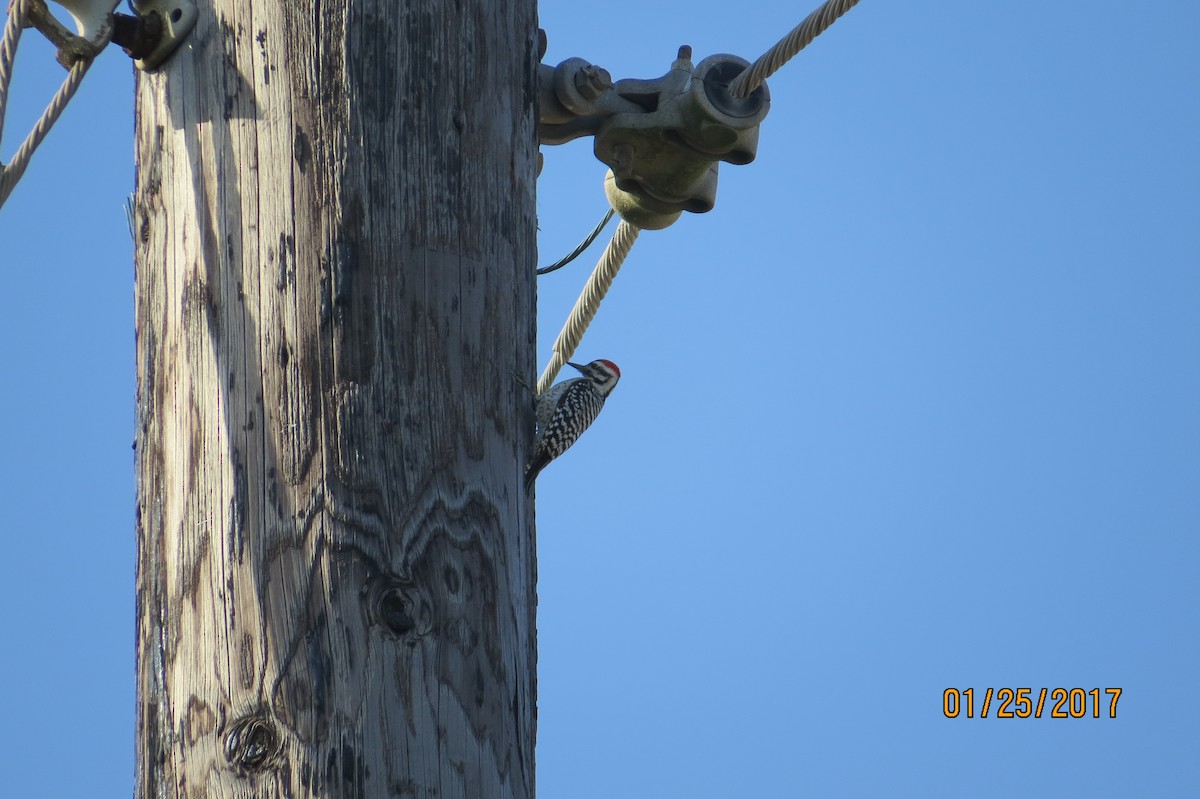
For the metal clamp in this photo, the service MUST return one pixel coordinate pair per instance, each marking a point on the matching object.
(150, 37)
(92, 22)
(662, 139)
(156, 32)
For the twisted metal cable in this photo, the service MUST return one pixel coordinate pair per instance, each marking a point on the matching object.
(800, 37)
(589, 301)
(622, 241)
(13, 171)
(72, 50)
(8, 50)
(583, 245)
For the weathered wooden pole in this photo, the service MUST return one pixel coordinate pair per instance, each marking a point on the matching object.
(335, 311)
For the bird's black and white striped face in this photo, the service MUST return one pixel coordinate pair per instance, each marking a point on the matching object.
(604, 375)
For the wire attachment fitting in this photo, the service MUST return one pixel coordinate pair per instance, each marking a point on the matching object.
(662, 139)
(156, 32)
(93, 23)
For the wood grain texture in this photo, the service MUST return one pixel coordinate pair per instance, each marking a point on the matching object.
(335, 299)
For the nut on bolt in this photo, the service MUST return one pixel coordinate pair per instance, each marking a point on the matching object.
(591, 81)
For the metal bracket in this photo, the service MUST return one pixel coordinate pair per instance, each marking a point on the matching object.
(162, 25)
(91, 17)
(150, 37)
(662, 139)
(91, 22)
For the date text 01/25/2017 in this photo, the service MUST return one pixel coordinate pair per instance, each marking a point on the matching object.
(1022, 703)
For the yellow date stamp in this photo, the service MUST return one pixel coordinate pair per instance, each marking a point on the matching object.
(1023, 703)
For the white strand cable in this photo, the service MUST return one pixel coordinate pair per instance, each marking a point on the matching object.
(743, 85)
(13, 171)
(622, 241)
(8, 50)
(589, 301)
(800, 37)
(20, 15)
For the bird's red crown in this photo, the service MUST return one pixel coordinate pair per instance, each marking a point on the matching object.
(610, 365)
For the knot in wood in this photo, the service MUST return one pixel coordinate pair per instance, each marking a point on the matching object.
(399, 607)
(393, 613)
(251, 743)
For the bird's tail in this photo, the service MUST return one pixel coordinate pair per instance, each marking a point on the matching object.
(533, 469)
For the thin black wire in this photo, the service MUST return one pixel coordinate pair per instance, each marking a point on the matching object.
(583, 245)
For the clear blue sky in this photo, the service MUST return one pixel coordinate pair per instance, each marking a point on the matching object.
(916, 406)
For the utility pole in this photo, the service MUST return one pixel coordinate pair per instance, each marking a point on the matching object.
(335, 318)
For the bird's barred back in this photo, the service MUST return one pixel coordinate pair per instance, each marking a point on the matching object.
(548, 402)
(576, 412)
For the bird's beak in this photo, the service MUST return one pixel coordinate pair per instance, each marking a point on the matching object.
(575, 365)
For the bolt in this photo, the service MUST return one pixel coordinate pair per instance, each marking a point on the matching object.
(139, 35)
(591, 80)
(621, 161)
